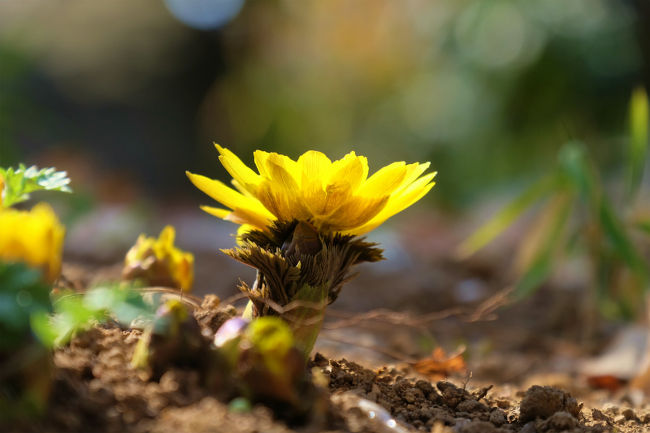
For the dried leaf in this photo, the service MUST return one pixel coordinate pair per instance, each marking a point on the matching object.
(438, 366)
(608, 382)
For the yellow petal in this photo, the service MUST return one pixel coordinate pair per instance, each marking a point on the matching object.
(167, 235)
(346, 176)
(218, 212)
(243, 229)
(314, 164)
(260, 157)
(352, 171)
(283, 169)
(224, 194)
(385, 181)
(241, 189)
(240, 216)
(315, 167)
(246, 177)
(354, 212)
(281, 194)
(34, 237)
(398, 203)
(336, 165)
(413, 171)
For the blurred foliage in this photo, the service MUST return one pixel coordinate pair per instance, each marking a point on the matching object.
(23, 293)
(480, 88)
(483, 89)
(74, 312)
(25, 373)
(13, 113)
(20, 182)
(578, 217)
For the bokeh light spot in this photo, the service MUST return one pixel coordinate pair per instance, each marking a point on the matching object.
(204, 14)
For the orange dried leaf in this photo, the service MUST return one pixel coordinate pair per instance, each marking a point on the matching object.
(606, 381)
(439, 365)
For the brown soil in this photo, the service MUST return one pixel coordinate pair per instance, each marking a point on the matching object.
(97, 390)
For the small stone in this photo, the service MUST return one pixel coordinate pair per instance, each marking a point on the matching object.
(611, 408)
(409, 396)
(471, 406)
(560, 421)
(529, 428)
(498, 417)
(475, 427)
(620, 419)
(629, 414)
(424, 386)
(597, 415)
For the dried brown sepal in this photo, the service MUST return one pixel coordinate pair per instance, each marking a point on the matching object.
(293, 255)
(285, 235)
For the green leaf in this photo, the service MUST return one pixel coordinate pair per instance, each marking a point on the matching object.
(506, 216)
(644, 226)
(20, 182)
(542, 265)
(638, 144)
(615, 232)
(22, 294)
(577, 169)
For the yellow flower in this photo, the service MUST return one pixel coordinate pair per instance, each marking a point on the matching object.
(159, 262)
(333, 196)
(34, 237)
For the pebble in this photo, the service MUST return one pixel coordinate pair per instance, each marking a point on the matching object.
(597, 415)
(629, 414)
(529, 428)
(561, 421)
(497, 417)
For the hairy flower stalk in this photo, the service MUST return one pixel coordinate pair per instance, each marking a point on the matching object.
(300, 226)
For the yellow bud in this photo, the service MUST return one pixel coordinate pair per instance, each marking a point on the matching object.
(159, 262)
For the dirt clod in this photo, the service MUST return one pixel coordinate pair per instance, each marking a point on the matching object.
(543, 401)
(558, 422)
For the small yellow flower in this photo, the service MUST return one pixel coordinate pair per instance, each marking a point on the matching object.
(333, 196)
(159, 262)
(34, 237)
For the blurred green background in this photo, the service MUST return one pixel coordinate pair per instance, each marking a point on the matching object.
(486, 90)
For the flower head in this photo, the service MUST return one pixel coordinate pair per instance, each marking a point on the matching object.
(333, 196)
(34, 237)
(159, 262)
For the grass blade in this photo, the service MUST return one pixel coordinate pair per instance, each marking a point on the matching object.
(542, 264)
(506, 216)
(614, 230)
(638, 143)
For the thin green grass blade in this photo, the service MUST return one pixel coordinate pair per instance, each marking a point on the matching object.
(579, 172)
(506, 216)
(542, 265)
(638, 143)
(614, 229)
